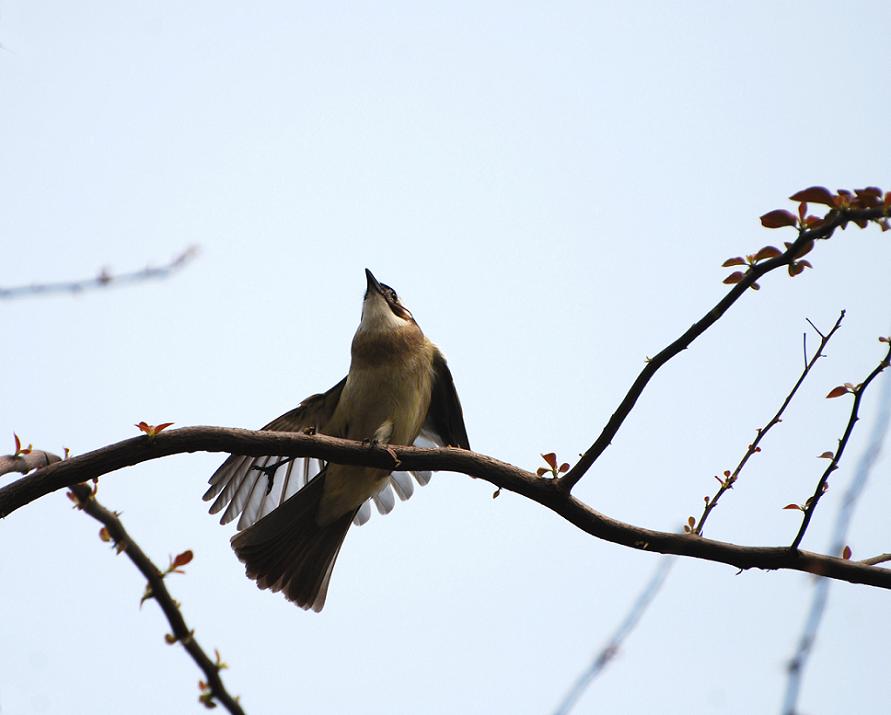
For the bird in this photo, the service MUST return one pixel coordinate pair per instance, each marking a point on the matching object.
(294, 513)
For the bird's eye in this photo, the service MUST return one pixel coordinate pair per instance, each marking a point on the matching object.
(394, 296)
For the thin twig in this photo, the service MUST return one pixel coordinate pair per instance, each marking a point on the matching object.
(880, 559)
(729, 480)
(604, 439)
(799, 660)
(86, 500)
(609, 651)
(507, 476)
(811, 503)
(103, 280)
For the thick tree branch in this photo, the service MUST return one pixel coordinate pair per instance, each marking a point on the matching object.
(833, 220)
(544, 491)
(86, 500)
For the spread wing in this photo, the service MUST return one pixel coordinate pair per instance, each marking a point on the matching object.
(445, 418)
(254, 486)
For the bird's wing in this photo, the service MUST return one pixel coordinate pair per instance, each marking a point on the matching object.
(254, 486)
(443, 427)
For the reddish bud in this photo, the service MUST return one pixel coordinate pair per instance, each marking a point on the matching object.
(826, 455)
(182, 559)
(793, 506)
(846, 553)
(837, 391)
(735, 261)
(551, 459)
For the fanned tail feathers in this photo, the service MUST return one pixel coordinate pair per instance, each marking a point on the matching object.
(288, 551)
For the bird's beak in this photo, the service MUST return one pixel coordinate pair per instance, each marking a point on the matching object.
(373, 285)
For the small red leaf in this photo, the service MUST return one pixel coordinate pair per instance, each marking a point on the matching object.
(541, 471)
(815, 195)
(152, 430)
(104, 535)
(826, 455)
(794, 269)
(735, 261)
(793, 506)
(768, 252)
(182, 559)
(778, 218)
(551, 459)
(846, 553)
(18, 443)
(734, 277)
(564, 468)
(837, 391)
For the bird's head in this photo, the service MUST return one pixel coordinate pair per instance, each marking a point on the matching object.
(381, 309)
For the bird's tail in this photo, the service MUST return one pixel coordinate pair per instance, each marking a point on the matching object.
(288, 551)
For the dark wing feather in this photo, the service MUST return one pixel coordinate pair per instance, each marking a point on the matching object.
(253, 486)
(445, 418)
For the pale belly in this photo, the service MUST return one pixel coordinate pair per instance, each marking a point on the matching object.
(381, 404)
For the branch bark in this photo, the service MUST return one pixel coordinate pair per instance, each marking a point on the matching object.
(834, 220)
(216, 690)
(546, 492)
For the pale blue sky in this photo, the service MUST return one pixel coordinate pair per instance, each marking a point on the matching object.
(551, 189)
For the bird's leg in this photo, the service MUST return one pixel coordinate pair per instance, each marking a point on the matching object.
(270, 469)
(381, 438)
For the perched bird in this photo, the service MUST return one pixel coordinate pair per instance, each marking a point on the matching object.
(295, 513)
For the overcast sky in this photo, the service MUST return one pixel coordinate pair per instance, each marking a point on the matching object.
(551, 188)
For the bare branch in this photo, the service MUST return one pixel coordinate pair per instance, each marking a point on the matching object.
(867, 461)
(811, 503)
(85, 499)
(880, 559)
(506, 476)
(823, 231)
(730, 480)
(608, 652)
(103, 280)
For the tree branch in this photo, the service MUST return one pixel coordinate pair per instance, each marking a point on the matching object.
(85, 499)
(103, 280)
(608, 652)
(798, 662)
(858, 391)
(506, 476)
(833, 220)
(729, 480)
